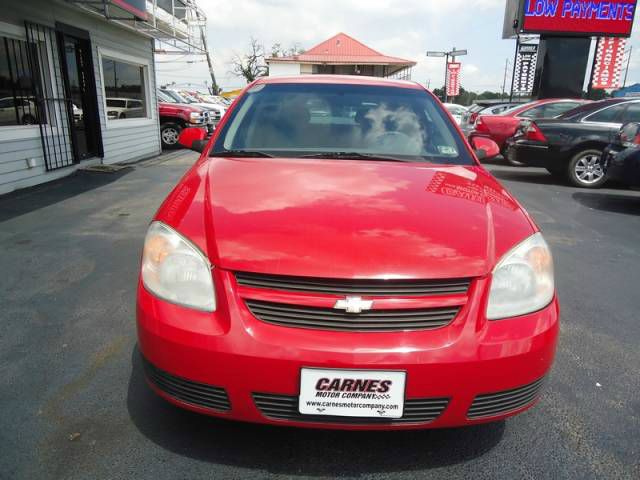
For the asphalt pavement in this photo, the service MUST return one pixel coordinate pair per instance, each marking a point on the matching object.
(74, 404)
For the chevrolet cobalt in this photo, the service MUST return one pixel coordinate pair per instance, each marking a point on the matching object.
(338, 258)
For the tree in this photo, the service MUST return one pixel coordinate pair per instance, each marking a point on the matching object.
(250, 65)
(487, 95)
(465, 97)
(277, 50)
(595, 94)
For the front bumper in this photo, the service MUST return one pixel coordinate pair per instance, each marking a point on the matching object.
(234, 356)
(623, 166)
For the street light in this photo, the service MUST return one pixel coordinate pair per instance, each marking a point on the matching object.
(453, 54)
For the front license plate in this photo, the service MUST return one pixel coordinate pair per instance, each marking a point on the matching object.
(352, 393)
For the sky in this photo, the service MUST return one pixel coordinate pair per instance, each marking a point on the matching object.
(401, 28)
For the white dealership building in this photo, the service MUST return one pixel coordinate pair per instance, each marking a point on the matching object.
(77, 83)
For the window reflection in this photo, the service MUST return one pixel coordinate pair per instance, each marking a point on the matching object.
(124, 88)
(18, 105)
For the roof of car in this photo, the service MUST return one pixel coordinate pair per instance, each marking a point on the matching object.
(593, 106)
(340, 80)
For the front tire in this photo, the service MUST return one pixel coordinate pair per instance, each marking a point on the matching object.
(505, 154)
(585, 169)
(169, 134)
(29, 119)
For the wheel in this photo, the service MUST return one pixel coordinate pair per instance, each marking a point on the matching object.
(585, 169)
(509, 158)
(512, 162)
(169, 133)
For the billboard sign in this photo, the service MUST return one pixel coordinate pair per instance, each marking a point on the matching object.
(608, 63)
(525, 69)
(136, 7)
(453, 79)
(578, 17)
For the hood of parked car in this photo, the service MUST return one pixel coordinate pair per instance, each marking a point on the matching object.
(182, 107)
(346, 219)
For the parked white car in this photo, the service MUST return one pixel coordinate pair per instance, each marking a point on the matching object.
(124, 108)
(457, 111)
(26, 111)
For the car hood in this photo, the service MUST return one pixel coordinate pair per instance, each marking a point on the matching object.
(209, 106)
(180, 106)
(346, 219)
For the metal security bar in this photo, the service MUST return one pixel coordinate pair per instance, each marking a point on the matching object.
(20, 82)
(54, 105)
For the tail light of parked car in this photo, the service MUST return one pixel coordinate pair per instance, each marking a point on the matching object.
(532, 132)
(473, 117)
(480, 127)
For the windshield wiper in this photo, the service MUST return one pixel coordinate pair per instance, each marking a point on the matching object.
(241, 153)
(356, 156)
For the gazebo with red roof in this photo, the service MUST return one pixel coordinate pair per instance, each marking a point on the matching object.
(341, 55)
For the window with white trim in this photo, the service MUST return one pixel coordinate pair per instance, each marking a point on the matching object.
(125, 89)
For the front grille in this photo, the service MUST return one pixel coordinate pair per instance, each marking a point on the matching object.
(198, 394)
(491, 404)
(284, 407)
(377, 288)
(371, 321)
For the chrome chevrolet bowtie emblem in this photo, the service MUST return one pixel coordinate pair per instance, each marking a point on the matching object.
(353, 304)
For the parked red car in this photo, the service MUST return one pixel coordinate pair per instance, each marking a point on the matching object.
(500, 127)
(354, 269)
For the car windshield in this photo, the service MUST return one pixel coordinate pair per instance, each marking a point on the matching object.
(176, 97)
(342, 121)
(164, 97)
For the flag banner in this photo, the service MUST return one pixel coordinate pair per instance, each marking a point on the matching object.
(525, 70)
(453, 79)
(608, 64)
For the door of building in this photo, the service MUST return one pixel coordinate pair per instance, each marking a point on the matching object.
(80, 85)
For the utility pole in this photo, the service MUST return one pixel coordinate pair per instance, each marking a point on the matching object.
(504, 79)
(626, 72)
(445, 94)
(203, 36)
(453, 54)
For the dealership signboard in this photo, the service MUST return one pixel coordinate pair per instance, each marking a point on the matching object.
(570, 17)
(608, 63)
(525, 70)
(453, 79)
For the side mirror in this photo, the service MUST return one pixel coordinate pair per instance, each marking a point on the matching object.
(193, 138)
(629, 135)
(485, 148)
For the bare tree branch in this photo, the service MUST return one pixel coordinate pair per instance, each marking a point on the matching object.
(250, 65)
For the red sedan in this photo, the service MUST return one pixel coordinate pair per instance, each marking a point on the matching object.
(503, 126)
(338, 258)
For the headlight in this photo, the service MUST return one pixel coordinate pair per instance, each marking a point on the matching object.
(176, 271)
(196, 117)
(523, 280)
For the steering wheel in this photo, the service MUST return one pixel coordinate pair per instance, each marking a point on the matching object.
(391, 137)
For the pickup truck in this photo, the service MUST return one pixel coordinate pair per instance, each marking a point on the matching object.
(174, 117)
